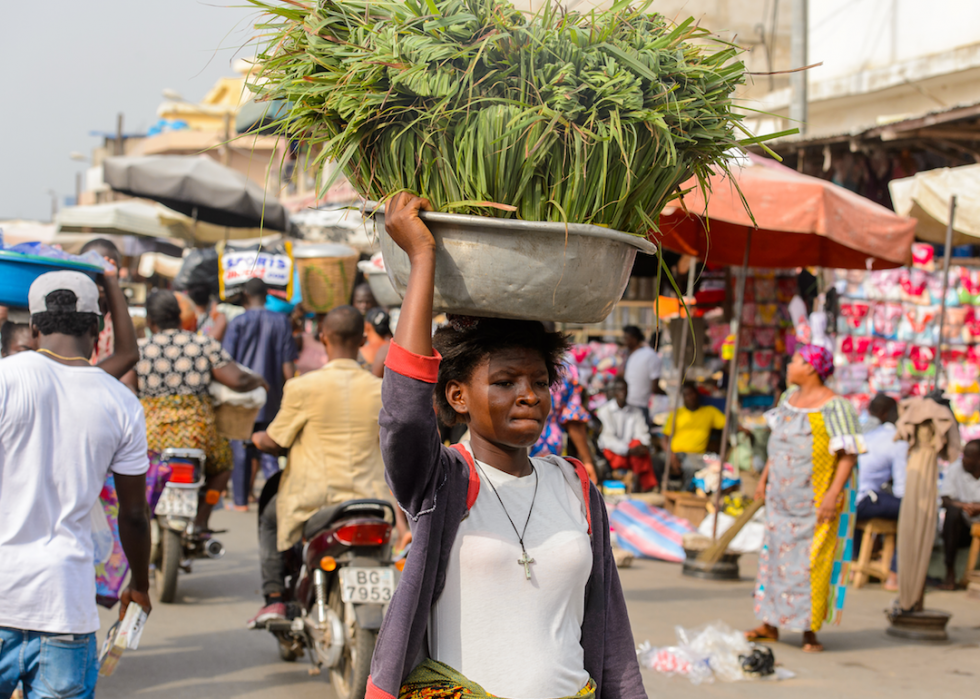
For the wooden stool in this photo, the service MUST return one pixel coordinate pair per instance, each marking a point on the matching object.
(971, 562)
(879, 568)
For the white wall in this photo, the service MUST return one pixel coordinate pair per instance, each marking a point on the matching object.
(851, 36)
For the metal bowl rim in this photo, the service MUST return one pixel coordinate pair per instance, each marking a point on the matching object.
(513, 224)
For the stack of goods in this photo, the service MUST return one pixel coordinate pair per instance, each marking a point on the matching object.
(888, 332)
(765, 327)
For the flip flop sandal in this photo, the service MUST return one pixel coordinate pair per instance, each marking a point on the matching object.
(754, 635)
(813, 648)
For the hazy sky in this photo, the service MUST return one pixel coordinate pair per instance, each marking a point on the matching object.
(68, 67)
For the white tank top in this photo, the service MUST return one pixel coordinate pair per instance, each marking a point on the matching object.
(515, 637)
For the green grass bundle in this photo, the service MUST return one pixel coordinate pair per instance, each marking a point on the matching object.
(585, 118)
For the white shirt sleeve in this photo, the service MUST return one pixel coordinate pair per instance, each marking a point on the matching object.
(950, 485)
(639, 429)
(654, 365)
(130, 458)
(900, 452)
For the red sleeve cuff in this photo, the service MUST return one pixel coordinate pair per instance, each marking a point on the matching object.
(414, 366)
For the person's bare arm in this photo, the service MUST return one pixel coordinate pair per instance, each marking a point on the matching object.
(414, 331)
(378, 367)
(827, 509)
(288, 370)
(134, 535)
(232, 376)
(971, 509)
(760, 489)
(263, 442)
(131, 381)
(219, 327)
(125, 351)
(578, 434)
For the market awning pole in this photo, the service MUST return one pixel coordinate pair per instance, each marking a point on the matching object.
(682, 367)
(947, 253)
(732, 378)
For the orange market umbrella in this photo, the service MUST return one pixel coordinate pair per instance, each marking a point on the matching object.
(800, 221)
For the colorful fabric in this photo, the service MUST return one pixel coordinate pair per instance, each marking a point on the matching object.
(641, 466)
(109, 576)
(566, 406)
(105, 344)
(177, 362)
(649, 532)
(434, 680)
(186, 422)
(820, 358)
(804, 565)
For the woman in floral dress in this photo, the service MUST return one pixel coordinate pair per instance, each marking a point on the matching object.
(809, 488)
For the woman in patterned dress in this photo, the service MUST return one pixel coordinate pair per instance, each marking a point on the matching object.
(809, 488)
(174, 371)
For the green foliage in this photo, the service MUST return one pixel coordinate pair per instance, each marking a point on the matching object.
(590, 118)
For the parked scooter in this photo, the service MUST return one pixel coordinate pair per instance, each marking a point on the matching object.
(337, 590)
(176, 542)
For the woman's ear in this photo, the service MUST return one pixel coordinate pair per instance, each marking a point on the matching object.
(456, 397)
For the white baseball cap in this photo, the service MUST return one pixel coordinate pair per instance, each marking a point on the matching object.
(85, 290)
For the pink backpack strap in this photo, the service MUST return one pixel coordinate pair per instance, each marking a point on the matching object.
(583, 477)
(473, 490)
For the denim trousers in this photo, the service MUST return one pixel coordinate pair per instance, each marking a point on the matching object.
(50, 665)
(241, 475)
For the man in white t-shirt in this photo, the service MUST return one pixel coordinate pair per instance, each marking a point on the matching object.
(64, 425)
(960, 490)
(642, 371)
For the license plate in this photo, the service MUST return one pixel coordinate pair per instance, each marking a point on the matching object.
(177, 502)
(367, 585)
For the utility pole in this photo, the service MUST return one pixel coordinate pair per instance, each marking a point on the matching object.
(120, 150)
(798, 59)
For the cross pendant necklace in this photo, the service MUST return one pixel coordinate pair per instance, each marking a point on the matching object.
(524, 560)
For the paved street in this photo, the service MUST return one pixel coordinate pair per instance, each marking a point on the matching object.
(199, 647)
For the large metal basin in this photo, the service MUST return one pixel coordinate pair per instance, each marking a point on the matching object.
(506, 268)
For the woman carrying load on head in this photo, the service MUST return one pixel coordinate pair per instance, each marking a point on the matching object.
(511, 588)
(809, 488)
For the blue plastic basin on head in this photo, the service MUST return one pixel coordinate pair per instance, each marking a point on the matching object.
(18, 272)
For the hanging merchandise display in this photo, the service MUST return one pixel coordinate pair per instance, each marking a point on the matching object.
(239, 262)
(888, 332)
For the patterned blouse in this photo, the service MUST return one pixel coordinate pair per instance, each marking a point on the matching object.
(178, 363)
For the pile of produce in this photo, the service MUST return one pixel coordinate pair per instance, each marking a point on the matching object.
(586, 118)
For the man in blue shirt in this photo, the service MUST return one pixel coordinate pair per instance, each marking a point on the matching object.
(261, 340)
(883, 464)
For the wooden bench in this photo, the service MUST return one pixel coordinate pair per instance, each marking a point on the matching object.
(866, 568)
(970, 574)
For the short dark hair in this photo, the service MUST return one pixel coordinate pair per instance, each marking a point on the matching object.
(882, 405)
(634, 332)
(63, 322)
(163, 310)
(256, 288)
(200, 294)
(344, 324)
(104, 247)
(379, 320)
(7, 333)
(465, 345)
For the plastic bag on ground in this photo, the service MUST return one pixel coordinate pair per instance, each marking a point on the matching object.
(749, 540)
(703, 654)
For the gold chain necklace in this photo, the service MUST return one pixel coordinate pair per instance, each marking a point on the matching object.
(67, 359)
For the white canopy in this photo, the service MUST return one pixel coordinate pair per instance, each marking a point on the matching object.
(925, 197)
(130, 217)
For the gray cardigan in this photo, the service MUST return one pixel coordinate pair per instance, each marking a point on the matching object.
(435, 486)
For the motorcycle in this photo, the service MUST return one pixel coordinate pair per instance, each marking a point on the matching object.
(175, 540)
(337, 590)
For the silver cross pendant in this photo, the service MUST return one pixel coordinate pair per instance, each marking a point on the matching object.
(525, 561)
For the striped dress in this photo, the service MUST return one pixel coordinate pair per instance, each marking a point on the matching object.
(803, 566)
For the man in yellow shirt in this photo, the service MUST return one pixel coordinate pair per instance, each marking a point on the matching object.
(690, 441)
(328, 421)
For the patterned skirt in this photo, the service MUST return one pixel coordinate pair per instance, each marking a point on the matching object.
(186, 422)
(435, 680)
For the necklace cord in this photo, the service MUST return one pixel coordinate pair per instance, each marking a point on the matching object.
(520, 535)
